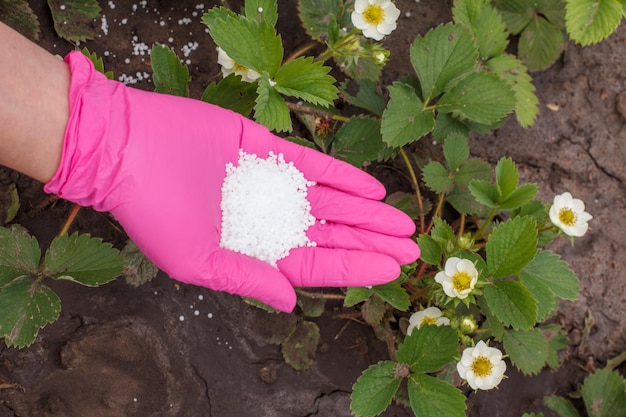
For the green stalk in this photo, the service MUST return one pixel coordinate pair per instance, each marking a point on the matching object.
(418, 194)
(483, 226)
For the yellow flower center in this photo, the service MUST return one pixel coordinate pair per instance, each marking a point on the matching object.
(240, 68)
(482, 367)
(461, 281)
(374, 14)
(428, 320)
(567, 216)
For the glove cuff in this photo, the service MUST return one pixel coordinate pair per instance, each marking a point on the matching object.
(89, 161)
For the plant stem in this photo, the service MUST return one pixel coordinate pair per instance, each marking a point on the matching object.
(462, 225)
(488, 220)
(300, 51)
(350, 37)
(416, 186)
(391, 341)
(320, 295)
(70, 220)
(613, 363)
(301, 108)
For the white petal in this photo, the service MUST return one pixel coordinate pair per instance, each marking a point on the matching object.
(359, 21)
(386, 27)
(451, 266)
(471, 379)
(443, 321)
(224, 60)
(448, 288)
(578, 205)
(441, 277)
(372, 33)
(391, 12)
(433, 312)
(251, 75)
(360, 5)
(465, 265)
(577, 230)
(416, 318)
(462, 295)
(467, 358)
(227, 71)
(481, 349)
(485, 383)
(499, 368)
(461, 369)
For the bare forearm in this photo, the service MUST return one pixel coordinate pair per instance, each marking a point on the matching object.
(34, 106)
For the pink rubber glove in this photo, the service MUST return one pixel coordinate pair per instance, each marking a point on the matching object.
(157, 163)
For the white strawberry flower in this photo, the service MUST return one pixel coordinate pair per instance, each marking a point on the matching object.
(229, 66)
(458, 278)
(430, 315)
(376, 18)
(569, 215)
(481, 366)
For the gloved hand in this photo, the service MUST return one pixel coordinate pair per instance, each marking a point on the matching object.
(157, 163)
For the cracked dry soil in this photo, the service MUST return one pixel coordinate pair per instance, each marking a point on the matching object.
(168, 349)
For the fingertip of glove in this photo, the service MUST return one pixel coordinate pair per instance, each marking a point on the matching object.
(285, 304)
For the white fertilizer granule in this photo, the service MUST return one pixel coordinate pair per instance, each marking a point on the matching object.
(265, 212)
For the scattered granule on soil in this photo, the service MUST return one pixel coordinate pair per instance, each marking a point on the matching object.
(265, 212)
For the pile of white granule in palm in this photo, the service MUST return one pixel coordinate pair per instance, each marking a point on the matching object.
(265, 212)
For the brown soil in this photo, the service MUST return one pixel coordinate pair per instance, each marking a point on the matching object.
(125, 351)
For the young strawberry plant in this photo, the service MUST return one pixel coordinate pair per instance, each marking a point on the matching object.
(603, 393)
(483, 294)
(486, 285)
(544, 26)
(28, 304)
